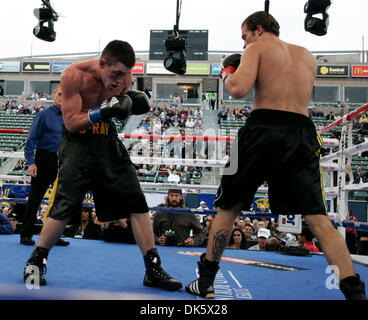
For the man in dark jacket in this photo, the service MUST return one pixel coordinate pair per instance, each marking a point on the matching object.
(175, 229)
(86, 229)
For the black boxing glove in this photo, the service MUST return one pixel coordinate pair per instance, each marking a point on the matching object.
(229, 65)
(119, 107)
(141, 103)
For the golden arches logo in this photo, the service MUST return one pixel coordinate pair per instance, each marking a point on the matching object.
(358, 71)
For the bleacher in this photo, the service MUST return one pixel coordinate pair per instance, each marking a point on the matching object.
(16, 142)
(16, 121)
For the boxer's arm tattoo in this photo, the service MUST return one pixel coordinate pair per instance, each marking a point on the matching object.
(220, 241)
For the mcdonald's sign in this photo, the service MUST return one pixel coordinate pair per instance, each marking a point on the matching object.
(359, 71)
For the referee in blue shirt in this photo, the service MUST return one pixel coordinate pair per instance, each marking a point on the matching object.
(44, 137)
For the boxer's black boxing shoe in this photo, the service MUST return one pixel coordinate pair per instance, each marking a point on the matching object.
(33, 274)
(353, 288)
(62, 243)
(28, 241)
(203, 286)
(155, 275)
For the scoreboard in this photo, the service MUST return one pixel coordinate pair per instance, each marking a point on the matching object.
(196, 39)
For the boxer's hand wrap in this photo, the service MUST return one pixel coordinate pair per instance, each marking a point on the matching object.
(119, 107)
(141, 103)
(229, 65)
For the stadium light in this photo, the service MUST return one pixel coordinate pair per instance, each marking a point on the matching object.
(315, 25)
(176, 48)
(176, 59)
(45, 27)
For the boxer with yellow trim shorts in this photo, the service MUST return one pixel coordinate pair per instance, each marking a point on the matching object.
(91, 157)
(278, 144)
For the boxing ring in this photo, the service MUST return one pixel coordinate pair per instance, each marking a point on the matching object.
(97, 270)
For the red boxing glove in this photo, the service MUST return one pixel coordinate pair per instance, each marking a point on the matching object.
(226, 72)
(229, 65)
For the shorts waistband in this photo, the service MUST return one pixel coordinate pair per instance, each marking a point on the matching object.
(279, 118)
(101, 129)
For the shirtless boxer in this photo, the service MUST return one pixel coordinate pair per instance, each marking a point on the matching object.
(93, 158)
(278, 135)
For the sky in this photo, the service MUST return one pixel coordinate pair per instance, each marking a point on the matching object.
(87, 26)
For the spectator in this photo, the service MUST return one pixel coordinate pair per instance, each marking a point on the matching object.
(86, 229)
(198, 114)
(197, 124)
(176, 99)
(143, 172)
(262, 236)
(34, 95)
(174, 229)
(222, 116)
(248, 232)
(16, 207)
(173, 177)
(247, 220)
(305, 239)
(358, 139)
(361, 178)
(192, 183)
(118, 231)
(357, 174)
(330, 116)
(5, 225)
(230, 115)
(237, 239)
(6, 211)
(351, 234)
(13, 219)
(189, 123)
(207, 223)
(240, 224)
(255, 226)
(273, 244)
(203, 205)
(41, 215)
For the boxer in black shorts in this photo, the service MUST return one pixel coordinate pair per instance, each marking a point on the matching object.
(110, 176)
(281, 148)
(278, 144)
(92, 158)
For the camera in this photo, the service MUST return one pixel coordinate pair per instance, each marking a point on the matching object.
(315, 25)
(45, 15)
(176, 48)
(170, 238)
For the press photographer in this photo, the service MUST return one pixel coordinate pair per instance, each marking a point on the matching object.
(174, 229)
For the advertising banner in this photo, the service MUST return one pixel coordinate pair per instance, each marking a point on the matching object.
(333, 71)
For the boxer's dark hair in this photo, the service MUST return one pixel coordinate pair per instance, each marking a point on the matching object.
(119, 51)
(264, 19)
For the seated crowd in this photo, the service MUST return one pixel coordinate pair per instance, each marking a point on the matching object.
(169, 120)
(184, 229)
(28, 107)
(233, 113)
